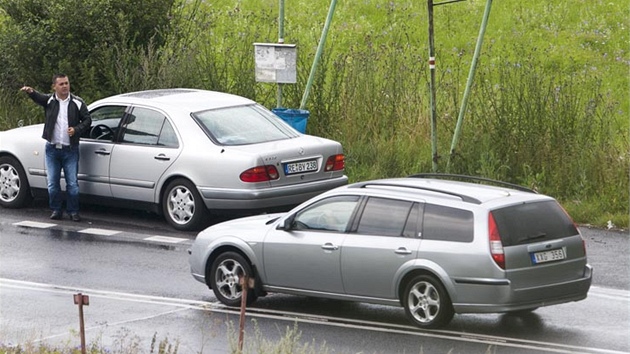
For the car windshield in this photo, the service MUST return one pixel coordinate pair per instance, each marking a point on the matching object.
(242, 125)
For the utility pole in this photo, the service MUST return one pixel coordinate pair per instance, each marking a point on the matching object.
(434, 148)
(434, 152)
(280, 41)
(471, 76)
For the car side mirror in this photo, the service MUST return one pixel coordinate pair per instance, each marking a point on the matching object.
(287, 224)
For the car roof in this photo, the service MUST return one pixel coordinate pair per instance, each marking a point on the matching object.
(194, 100)
(430, 188)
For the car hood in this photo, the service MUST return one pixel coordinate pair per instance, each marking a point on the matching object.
(250, 225)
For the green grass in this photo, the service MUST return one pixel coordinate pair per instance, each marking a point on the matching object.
(549, 107)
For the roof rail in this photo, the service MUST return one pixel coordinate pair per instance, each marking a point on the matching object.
(463, 197)
(473, 178)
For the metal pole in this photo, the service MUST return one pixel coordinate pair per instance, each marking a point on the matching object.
(471, 76)
(280, 41)
(81, 300)
(241, 332)
(318, 54)
(434, 152)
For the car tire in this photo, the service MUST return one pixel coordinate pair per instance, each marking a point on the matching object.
(15, 192)
(225, 274)
(427, 303)
(183, 207)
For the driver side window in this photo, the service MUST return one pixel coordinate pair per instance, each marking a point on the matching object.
(105, 122)
(331, 214)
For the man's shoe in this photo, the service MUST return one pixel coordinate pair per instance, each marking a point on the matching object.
(75, 217)
(56, 215)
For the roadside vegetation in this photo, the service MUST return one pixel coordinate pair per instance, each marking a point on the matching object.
(549, 108)
(289, 342)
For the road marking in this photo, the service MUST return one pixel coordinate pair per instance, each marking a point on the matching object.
(305, 318)
(611, 294)
(101, 232)
(34, 224)
(95, 231)
(165, 239)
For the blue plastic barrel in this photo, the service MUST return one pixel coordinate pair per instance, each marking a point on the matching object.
(296, 118)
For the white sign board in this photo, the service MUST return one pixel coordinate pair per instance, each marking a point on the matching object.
(275, 62)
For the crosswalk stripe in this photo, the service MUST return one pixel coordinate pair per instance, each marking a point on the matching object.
(165, 239)
(35, 224)
(95, 231)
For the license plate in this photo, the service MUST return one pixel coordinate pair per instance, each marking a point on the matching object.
(300, 167)
(548, 256)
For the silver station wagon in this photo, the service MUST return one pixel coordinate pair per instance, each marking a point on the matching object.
(431, 244)
(182, 153)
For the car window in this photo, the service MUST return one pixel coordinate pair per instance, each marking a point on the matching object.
(105, 122)
(331, 214)
(168, 138)
(385, 217)
(533, 222)
(243, 125)
(148, 127)
(447, 224)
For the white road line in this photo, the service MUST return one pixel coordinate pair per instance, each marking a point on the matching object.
(34, 224)
(165, 239)
(96, 231)
(321, 320)
(611, 294)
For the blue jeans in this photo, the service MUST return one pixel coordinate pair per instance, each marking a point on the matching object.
(66, 159)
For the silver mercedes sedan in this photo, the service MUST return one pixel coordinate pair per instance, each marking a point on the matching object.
(181, 152)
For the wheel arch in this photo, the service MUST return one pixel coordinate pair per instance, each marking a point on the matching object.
(162, 188)
(250, 258)
(429, 269)
(29, 182)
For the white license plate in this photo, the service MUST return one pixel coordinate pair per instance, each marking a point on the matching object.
(548, 256)
(300, 167)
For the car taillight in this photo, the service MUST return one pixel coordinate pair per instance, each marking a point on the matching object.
(260, 174)
(496, 246)
(335, 163)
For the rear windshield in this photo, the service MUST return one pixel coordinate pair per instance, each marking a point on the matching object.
(243, 125)
(533, 222)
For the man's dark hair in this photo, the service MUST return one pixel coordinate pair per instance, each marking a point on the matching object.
(58, 76)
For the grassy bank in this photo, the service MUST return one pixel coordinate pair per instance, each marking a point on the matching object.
(548, 109)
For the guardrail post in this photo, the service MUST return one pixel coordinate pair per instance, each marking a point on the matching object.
(246, 284)
(81, 300)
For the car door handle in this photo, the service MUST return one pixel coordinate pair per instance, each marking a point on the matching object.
(330, 247)
(402, 250)
(162, 157)
(102, 152)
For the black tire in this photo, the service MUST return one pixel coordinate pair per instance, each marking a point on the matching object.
(15, 192)
(225, 274)
(182, 206)
(427, 303)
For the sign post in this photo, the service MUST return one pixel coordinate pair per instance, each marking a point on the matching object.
(82, 300)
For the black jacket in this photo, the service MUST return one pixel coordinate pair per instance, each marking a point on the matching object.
(78, 115)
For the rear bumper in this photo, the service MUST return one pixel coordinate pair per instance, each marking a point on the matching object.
(504, 298)
(250, 199)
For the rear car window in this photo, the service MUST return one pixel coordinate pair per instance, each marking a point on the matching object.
(384, 217)
(447, 224)
(243, 125)
(533, 222)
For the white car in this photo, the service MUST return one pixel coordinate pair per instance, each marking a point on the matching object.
(183, 153)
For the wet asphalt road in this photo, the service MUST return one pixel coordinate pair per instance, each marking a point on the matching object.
(139, 280)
